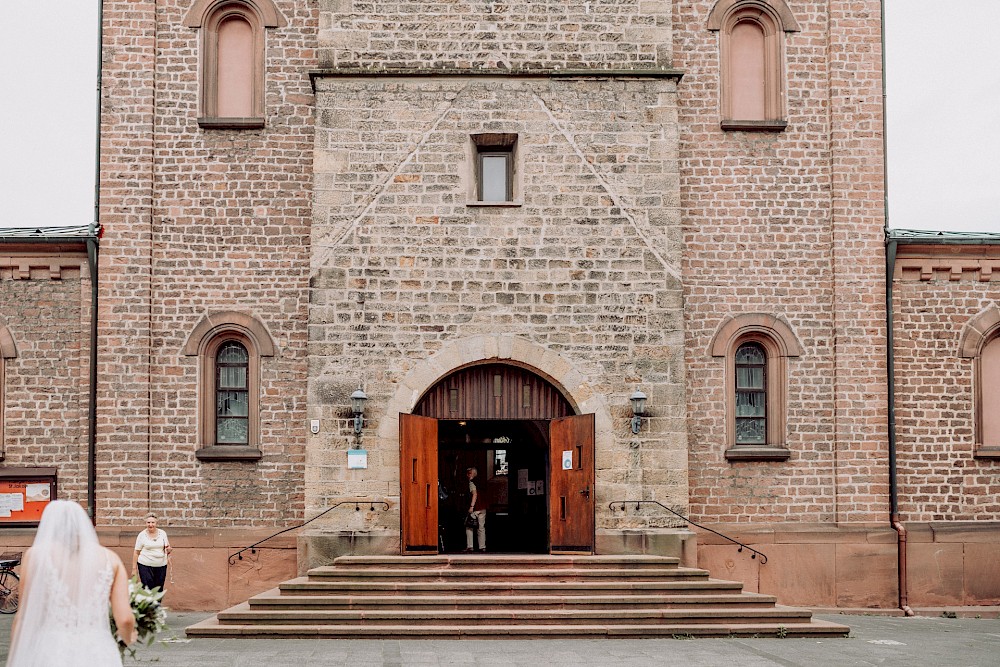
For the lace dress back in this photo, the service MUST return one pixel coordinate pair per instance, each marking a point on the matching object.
(74, 629)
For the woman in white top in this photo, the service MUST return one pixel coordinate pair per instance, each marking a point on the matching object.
(67, 581)
(152, 553)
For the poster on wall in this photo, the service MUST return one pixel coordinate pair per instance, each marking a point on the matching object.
(24, 494)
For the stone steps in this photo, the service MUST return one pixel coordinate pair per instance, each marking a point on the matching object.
(478, 561)
(478, 596)
(211, 627)
(274, 600)
(307, 586)
(243, 613)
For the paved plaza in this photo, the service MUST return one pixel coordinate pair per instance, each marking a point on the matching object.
(874, 640)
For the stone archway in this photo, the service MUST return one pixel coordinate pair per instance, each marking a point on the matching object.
(550, 365)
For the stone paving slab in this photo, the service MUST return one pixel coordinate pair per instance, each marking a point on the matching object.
(874, 640)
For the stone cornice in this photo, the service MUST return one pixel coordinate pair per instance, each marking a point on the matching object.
(26, 265)
(951, 262)
(517, 73)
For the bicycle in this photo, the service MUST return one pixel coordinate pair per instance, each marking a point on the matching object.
(9, 582)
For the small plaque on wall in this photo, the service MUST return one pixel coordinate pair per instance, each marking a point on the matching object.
(357, 459)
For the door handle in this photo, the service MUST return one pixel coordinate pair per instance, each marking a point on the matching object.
(585, 492)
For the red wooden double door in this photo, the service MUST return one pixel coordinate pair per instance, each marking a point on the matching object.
(570, 484)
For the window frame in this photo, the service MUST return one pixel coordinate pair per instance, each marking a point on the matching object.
(508, 156)
(205, 342)
(495, 144)
(979, 332)
(774, 19)
(243, 389)
(778, 342)
(208, 15)
(8, 350)
(762, 391)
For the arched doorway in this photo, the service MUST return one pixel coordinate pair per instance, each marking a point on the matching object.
(533, 454)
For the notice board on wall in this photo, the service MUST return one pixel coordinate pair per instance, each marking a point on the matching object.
(24, 494)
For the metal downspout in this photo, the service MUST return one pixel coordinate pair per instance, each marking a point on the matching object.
(92, 259)
(890, 266)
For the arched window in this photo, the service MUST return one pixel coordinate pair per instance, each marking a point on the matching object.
(756, 348)
(989, 393)
(980, 342)
(235, 58)
(232, 60)
(751, 62)
(232, 394)
(751, 394)
(8, 350)
(229, 347)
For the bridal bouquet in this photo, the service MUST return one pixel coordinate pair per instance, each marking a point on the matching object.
(150, 615)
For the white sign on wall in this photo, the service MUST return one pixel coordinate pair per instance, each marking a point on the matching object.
(357, 459)
(567, 460)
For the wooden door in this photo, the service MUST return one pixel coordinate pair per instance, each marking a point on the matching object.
(571, 484)
(418, 482)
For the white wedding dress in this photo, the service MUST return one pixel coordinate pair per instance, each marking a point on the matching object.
(63, 617)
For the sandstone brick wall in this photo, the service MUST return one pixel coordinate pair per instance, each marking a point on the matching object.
(492, 33)
(939, 477)
(45, 388)
(789, 224)
(199, 221)
(585, 269)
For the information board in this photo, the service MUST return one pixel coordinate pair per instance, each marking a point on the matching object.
(24, 494)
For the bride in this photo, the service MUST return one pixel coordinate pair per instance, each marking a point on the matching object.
(68, 579)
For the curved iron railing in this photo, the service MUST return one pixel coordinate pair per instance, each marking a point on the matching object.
(638, 503)
(357, 508)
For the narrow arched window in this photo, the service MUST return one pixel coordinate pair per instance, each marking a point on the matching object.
(232, 394)
(989, 393)
(751, 394)
(235, 68)
(230, 347)
(747, 68)
(751, 62)
(980, 343)
(756, 348)
(232, 60)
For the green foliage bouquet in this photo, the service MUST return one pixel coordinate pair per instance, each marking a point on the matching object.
(150, 616)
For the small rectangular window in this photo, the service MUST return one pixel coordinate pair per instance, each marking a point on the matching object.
(494, 176)
(495, 158)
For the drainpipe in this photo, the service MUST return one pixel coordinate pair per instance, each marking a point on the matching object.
(890, 354)
(890, 265)
(92, 258)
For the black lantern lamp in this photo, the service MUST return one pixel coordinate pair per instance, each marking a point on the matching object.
(638, 400)
(358, 400)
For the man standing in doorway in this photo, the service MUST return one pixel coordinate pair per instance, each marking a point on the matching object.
(477, 510)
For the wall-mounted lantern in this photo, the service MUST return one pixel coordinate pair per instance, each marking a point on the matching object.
(638, 400)
(358, 400)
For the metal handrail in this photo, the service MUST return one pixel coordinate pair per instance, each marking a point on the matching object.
(357, 508)
(622, 503)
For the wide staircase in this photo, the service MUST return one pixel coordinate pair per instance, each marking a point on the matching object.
(517, 597)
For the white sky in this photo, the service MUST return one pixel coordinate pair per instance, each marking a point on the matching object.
(943, 105)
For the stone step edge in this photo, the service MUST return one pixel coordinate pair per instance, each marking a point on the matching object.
(303, 583)
(543, 617)
(277, 599)
(539, 561)
(815, 628)
(332, 572)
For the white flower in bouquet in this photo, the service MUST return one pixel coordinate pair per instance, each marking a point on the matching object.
(150, 615)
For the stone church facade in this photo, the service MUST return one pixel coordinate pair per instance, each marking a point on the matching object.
(493, 218)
